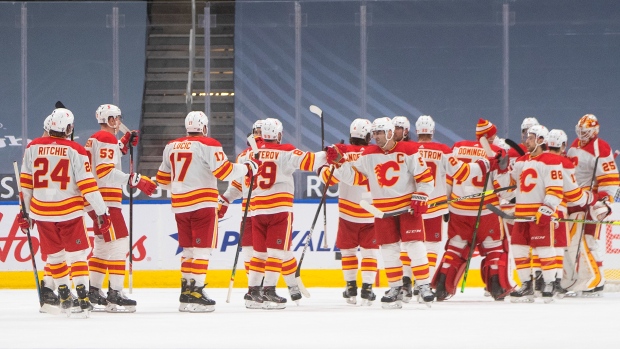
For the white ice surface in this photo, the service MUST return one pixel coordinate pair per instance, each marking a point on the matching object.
(468, 320)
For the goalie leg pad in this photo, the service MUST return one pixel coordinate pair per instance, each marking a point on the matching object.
(449, 273)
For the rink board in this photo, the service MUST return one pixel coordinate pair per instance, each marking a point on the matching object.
(156, 255)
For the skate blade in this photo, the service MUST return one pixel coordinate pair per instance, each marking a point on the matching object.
(366, 302)
(99, 308)
(253, 305)
(428, 304)
(50, 309)
(392, 305)
(548, 300)
(352, 300)
(184, 307)
(590, 295)
(201, 308)
(487, 293)
(77, 313)
(407, 299)
(525, 299)
(273, 305)
(114, 308)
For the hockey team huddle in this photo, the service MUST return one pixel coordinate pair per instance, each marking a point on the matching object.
(534, 206)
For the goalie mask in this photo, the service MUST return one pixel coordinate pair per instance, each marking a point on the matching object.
(196, 121)
(105, 111)
(61, 120)
(425, 125)
(556, 138)
(360, 128)
(587, 128)
(271, 129)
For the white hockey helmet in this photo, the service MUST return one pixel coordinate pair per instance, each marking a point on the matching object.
(540, 131)
(196, 121)
(528, 122)
(47, 123)
(60, 120)
(425, 125)
(401, 121)
(271, 128)
(360, 128)
(257, 124)
(104, 112)
(383, 124)
(587, 128)
(556, 138)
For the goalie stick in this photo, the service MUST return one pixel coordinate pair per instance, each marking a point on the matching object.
(502, 160)
(377, 212)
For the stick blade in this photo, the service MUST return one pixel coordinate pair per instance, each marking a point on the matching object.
(123, 128)
(371, 209)
(515, 146)
(59, 105)
(316, 110)
(486, 146)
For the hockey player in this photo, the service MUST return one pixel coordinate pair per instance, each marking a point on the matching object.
(399, 180)
(539, 177)
(110, 250)
(356, 227)
(238, 190)
(272, 216)
(56, 178)
(595, 168)
(464, 221)
(190, 169)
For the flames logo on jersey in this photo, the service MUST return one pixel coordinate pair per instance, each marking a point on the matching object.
(383, 178)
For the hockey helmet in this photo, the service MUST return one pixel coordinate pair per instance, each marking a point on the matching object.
(60, 120)
(360, 128)
(196, 121)
(104, 112)
(425, 125)
(271, 129)
(556, 138)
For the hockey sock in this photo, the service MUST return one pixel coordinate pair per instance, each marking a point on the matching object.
(406, 261)
(288, 272)
(273, 267)
(247, 252)
(369, 265)
(392, 263)
(349, 263)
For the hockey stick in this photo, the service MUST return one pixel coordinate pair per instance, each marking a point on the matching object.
(514, 146)
(22, 208)
(505, 215)
(473, 239)
(485, 193)
(316, 216)
(254, 147)
(377, 212)
(130, 190)
(316, 110)
(502, 160)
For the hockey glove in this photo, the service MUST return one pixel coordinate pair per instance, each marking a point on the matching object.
(222, 206)
(104, 223)
(25, 224)
(128, 137)
(145, 184)
(335, 154)
(600, 210)
(253, 166)
(418, 204)
(486, 164)
(543, 216)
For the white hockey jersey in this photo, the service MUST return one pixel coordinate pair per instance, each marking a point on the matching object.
(274, 186)
(539, 182)
(238, 188)
(349, 196)
(573, 193)
(55, 178)
(393, 175)
(105, 159)
(606, 178)
(190, 169)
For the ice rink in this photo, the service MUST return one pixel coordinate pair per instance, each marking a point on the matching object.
(469, 320)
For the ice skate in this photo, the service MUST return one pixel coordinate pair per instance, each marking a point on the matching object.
(350, 293)
(119, 303)
(558, 290)
(367, 295)
(50, 301)
(426, 295)
(525, 294)
(68, 302)
(295, 294)
(81, 305)
(254, 298)
(199, 300)
(97, 299)
(440, 291)
(416, 289)
(593, 293)
(407, 290)
(547, 292)
(539, 284)
(184, 305)
(497, 292)
(271, 300)
(393, 298)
